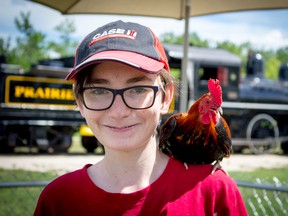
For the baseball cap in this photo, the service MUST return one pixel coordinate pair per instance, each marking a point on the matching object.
(130, 43)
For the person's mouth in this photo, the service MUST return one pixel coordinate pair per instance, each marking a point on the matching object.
(121, 128)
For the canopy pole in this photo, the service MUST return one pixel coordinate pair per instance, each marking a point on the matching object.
(184, 81)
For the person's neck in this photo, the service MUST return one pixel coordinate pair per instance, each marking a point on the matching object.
(126, 172)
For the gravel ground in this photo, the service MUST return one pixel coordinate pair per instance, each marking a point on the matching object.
(236, 162)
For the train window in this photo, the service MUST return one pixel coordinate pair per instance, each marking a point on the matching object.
(234, 73)
(206, 72)
(219, 72)
(233, 77)
(222, 75)
(227, 75)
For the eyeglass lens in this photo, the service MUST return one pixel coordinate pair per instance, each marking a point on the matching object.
(137, 97)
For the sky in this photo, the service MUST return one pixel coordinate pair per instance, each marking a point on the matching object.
(263, 29)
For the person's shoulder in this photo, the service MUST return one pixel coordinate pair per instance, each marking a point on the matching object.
(203, 173)
(64, 187)
(213, 182)
(191, 169)
(67, 180)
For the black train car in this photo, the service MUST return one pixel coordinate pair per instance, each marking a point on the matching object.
(37, 109)
(255, 108)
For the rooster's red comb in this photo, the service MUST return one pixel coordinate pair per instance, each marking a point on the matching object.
(215, 90)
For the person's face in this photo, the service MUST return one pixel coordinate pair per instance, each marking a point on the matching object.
(119, 127)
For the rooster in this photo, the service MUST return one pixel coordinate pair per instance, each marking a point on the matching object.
(200, 136)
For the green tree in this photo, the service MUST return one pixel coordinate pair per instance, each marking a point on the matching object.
(168, 38)
(282, 54)
(66, 46)
(5, 49)
(271, 64)
(194, 39)
(239, 50)
(30, 47)
(272, 68)
(272, 59)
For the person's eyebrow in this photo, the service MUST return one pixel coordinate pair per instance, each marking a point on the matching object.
(99, 81)
(138, 79)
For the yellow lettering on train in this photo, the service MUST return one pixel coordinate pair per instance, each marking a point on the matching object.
(54, 93)
(39, 93)
(43, 93)
(19, 91)
(63, 94)
(29, 92)
(47, 93)
(69, 95)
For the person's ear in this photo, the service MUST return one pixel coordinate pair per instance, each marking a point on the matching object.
(167, 98)
(79, 103)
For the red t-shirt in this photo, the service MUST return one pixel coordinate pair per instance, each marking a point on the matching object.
(177, 191)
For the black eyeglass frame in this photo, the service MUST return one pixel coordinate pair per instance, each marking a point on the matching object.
(121, 92)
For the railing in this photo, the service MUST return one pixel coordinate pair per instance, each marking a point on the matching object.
(20, 198)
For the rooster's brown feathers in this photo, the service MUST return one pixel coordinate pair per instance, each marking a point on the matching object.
(200, 136)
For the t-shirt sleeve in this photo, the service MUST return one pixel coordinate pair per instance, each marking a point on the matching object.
(227, 197)
(56, 196)
(44, 205)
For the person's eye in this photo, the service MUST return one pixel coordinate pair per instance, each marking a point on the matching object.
(139, 90)
(99, 91)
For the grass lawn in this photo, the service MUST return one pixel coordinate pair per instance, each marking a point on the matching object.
(264, 202)
(22, 201)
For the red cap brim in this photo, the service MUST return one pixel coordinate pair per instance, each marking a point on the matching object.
(136, 60)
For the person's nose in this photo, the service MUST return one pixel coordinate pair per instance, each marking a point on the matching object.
(119, 108)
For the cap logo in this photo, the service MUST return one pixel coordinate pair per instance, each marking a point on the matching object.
(114, 33)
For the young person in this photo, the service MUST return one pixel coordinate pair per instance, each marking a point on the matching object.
(122, 87)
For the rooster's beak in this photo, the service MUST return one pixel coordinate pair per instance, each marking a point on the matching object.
(220, 110)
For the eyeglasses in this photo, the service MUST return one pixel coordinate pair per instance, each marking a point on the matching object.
(135, 97)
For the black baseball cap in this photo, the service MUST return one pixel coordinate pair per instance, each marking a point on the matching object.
(130, 43)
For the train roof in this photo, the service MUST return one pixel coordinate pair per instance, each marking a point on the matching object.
(203, 55)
